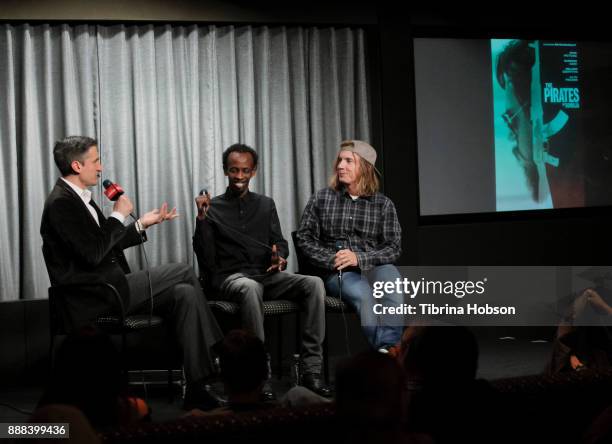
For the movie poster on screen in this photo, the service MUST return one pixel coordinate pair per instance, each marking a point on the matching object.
(536, 94)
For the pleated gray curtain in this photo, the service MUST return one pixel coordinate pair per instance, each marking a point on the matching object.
(164, 102)
(47, 90)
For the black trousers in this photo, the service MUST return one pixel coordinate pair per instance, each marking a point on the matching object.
(178, 297)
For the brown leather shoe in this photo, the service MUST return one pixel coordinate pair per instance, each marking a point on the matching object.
(314, 382)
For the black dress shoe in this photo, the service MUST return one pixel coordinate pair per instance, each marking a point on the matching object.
(267, 395)
(201, 396)
(314, 382)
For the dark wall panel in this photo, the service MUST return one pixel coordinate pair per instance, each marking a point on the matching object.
(12, 341)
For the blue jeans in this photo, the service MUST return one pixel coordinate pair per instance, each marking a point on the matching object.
(357, 291)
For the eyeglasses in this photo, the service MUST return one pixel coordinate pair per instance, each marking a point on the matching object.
(509, 118)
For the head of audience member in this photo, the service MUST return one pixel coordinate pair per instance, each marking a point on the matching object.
(81, 431)
(354, 169)
(244, 365)
(240, 166)
(78, 160)
(408, 335)
(439, 357)
(369, 390)
(87, 374)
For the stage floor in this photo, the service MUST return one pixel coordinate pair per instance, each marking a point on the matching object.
(503, 353)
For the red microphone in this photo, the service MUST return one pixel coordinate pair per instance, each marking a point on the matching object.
(112, 190)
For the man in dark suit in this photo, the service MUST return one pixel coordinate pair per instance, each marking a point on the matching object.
(80, 245)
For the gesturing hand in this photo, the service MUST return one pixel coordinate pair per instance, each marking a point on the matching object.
(158, 215)
(597, 302)
(278, 263)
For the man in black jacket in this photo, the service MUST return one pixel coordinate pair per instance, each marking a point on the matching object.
(241, 252)
(81, 245)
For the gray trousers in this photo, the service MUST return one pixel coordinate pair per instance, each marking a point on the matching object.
(250, 292)
(178, 297)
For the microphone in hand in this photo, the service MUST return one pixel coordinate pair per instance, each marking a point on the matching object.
(202, 201)
(116, 194)
(340, 246)
(112, 190)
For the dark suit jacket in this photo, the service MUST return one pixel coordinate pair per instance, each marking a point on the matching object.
(77, 250)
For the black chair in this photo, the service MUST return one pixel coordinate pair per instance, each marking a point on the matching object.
(276, 310)
(70, 308)
(228, 312)
(332, 304)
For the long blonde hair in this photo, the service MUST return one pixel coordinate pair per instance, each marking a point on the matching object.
(367, 182)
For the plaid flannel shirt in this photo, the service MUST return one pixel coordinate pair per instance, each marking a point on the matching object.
(367, 225)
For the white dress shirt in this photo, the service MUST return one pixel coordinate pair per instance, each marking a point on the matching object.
(85, 196)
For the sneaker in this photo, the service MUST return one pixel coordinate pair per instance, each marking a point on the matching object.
(391, 350)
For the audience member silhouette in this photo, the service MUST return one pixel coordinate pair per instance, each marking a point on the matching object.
(584, 337)
(80, 430)
(444, 398)
(371, 404)
(600, 430)
(87, 374)
(244, 368)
